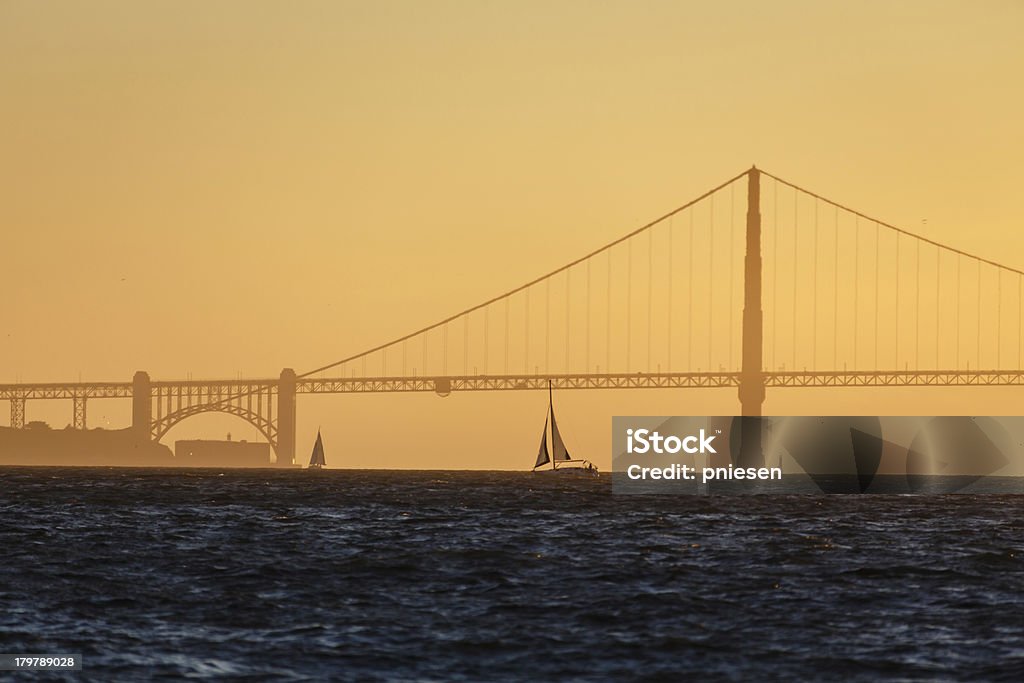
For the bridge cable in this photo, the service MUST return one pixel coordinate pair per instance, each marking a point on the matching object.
(671, 284)
(978, 351)
(547, 326)
(650, 294)
(689, 306)
(877, 285)
(896, 324)
(917, 314)
(608, 317)
(587, 354)
(526, 336)
(568, 317)
(796, 236)
(732, 270)
(908, 233)
(536, 280)
(711, 274)
(938, 305)
(775, 270)
(958, 259)
(856, 287)
(814, 294)
(939, 246)
(629, 302)
(835, 292)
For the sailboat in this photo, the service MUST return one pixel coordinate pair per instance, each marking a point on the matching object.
(558, 456)
(316, 459)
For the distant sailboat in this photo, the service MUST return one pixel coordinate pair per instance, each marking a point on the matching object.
(558, 456)
(316, 459)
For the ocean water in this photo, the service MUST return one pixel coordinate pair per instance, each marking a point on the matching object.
(483, 576)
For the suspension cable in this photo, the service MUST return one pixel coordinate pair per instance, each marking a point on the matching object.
(536, 280)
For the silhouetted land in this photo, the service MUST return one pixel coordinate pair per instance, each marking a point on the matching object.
(38, 444)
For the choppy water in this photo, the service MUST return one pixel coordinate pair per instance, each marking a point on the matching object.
(355, 575)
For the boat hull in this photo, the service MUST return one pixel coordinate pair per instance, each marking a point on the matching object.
(570, 472)
(582, 468)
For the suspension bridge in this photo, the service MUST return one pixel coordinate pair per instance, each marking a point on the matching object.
(758, 283)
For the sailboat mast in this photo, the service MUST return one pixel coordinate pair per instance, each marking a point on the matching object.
(551, 414)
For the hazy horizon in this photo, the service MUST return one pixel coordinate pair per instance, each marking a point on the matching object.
(227, 190)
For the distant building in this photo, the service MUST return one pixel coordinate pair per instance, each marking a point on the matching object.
(38, 444)
(209, 453)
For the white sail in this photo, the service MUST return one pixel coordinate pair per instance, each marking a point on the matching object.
(558, 449)
(316, 459)
(542, 454)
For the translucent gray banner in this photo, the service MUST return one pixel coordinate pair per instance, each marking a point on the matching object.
(813, 455)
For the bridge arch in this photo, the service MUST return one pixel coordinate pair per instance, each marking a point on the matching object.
(267, 427)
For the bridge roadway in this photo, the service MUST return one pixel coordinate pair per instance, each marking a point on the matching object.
(225, 388)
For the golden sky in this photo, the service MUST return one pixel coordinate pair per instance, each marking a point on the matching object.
(215, 189)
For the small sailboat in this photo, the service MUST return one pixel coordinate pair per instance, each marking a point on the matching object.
(316, 459)
(558, 456)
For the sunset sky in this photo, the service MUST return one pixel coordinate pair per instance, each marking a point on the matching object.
(230, 188)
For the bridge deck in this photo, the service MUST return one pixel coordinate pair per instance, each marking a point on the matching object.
(447, 384)
(712, 380)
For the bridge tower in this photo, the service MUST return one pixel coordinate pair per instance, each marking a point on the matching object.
(142, 406)
(752, 389)
(286, 418)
